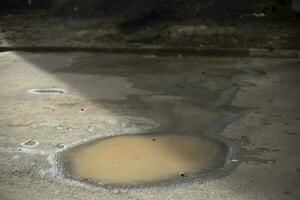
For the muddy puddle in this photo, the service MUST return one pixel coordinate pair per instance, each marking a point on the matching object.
(144, 159)
(180, 96)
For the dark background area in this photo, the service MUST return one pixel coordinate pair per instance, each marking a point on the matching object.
(157, 8)
(17, 4)
(268, 24)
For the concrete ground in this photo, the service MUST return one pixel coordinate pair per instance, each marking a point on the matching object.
(105, 94)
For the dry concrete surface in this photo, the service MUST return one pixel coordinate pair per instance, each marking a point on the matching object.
(104, 95)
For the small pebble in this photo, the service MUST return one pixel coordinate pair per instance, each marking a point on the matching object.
(30, 143)
(116, 191)
(60, 146)
(91, 129)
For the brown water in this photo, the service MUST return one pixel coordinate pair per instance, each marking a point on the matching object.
(144, 159)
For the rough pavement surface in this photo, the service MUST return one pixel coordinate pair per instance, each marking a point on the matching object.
(103, 94)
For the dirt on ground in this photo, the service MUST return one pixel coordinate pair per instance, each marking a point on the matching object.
(256, 30)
